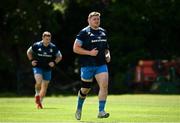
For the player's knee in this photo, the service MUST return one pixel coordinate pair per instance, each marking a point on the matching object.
(86, 85)
(85, 88)
(82, 94)
(38, 86)
(103, 85)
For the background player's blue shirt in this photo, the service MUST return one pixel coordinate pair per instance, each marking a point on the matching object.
(44, 54)
(90, 39)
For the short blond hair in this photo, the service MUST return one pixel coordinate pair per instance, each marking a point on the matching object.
(46, 33)
(94, 14)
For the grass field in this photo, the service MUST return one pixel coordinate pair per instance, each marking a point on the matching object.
(122, 108)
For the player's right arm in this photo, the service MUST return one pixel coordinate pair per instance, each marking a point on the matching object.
(29, 53)
(79, 50)
(30, 56)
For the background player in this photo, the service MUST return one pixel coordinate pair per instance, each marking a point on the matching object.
(44, 55)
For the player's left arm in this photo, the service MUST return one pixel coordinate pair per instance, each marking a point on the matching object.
(107, 55)
(107, 51)
(58, 58)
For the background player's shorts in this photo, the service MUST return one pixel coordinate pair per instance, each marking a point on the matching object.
(46, 74)
(87, 73)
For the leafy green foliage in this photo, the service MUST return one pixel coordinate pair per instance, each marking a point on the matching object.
(138, 29)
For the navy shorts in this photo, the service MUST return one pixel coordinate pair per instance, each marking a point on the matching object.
(87, 73)
(46, 74)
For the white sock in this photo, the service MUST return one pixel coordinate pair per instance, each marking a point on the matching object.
(36, 92)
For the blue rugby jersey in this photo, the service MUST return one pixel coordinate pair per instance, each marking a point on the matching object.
(90, 39)
(44, 54)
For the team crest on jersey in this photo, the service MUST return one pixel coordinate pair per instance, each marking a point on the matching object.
(51, 50)
(39, 49)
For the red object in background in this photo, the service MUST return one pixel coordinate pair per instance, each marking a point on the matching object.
(145, 72)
